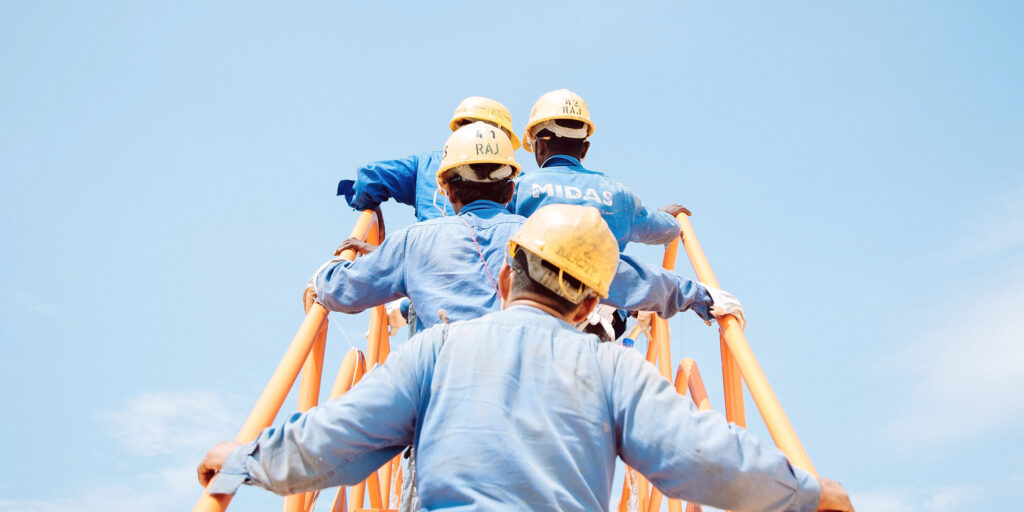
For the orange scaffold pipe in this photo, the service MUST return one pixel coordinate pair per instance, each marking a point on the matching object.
(274, 394)
(768, 404)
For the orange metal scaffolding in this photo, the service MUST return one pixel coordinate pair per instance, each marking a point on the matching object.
(306, 352)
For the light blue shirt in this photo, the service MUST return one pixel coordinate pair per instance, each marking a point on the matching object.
(439, 264)
(411, 181)
(563, 180)
(518, 410)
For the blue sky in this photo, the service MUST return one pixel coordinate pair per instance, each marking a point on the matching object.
(854, 169)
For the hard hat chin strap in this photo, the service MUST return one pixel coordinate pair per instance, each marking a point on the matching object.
(554, 281)
(467, 173)
(552, 126)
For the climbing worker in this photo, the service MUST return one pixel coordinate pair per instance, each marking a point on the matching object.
(517, 410)
(412, 180)
(557, 135)
(449, 265)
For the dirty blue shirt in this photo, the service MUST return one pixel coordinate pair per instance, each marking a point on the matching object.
(518, 410)
(439, 264)
(411, 181)
(563, 180)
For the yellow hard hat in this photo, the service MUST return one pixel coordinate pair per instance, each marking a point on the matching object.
(478, 143)
(478, 108)
(560, 104)
(577, 241)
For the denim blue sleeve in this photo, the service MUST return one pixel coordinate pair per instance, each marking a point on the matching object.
(377, 182)
(640, 287)
(697, 455)
(370, 280)
(342, 441)
(647, 227)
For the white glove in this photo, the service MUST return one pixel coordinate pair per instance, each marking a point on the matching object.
(601, 315)
(724, 303)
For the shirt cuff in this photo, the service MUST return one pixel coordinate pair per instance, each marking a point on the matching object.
(809, 493)
(233, 473)
(703, 302)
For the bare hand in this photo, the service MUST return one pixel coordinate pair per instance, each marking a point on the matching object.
(833, 497)
(674, 210)
(214, 460)
(308, 298)
(356, 245)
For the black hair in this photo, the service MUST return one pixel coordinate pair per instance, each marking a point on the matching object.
(525, 285)
(468, 191)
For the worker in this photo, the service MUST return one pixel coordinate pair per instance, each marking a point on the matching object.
(518, 410)
(411, 180)
(448, 266)
(557, 135)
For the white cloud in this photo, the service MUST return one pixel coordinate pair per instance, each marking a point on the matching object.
(934, 499)
(997, 229)
(165, 433)
(949, 499)
(167, 490)
(164, 423)
(952, 499)
(966, 373)
(883, 501)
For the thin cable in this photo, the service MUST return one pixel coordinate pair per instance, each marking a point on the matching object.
(342, 329)
(444, 212)
(480, 253)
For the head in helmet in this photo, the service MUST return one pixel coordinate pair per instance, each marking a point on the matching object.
(564, 258)
(477, 163)
(559, 125)
(478, 108)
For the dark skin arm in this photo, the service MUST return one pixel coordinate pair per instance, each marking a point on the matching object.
(358, 246)
(674, 210)
(361, 248)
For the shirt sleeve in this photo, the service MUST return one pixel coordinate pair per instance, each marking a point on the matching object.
(696, 455)
(377, 182)
(370, 280)
(647, 227)
(344, 440)
(640, 287)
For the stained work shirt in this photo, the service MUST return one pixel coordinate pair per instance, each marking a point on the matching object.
(563, 180)
(411, 181)
(518, 410)
(439, 264)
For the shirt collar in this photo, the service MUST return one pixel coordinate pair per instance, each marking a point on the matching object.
(562, 160)
(539, 314)
(480, 205)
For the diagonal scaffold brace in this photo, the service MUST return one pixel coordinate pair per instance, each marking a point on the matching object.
(768, 404)
(283, 378)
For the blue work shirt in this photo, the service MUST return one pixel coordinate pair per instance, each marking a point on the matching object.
(411, 181)
(563, 180)
(439, 264)
(518, 410)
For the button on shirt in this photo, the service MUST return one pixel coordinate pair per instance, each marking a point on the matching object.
(439, 264)
(563, 180)
(411, 181)
(518, 410)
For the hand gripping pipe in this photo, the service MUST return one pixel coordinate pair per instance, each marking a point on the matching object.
(274, 394)
(768, 404)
